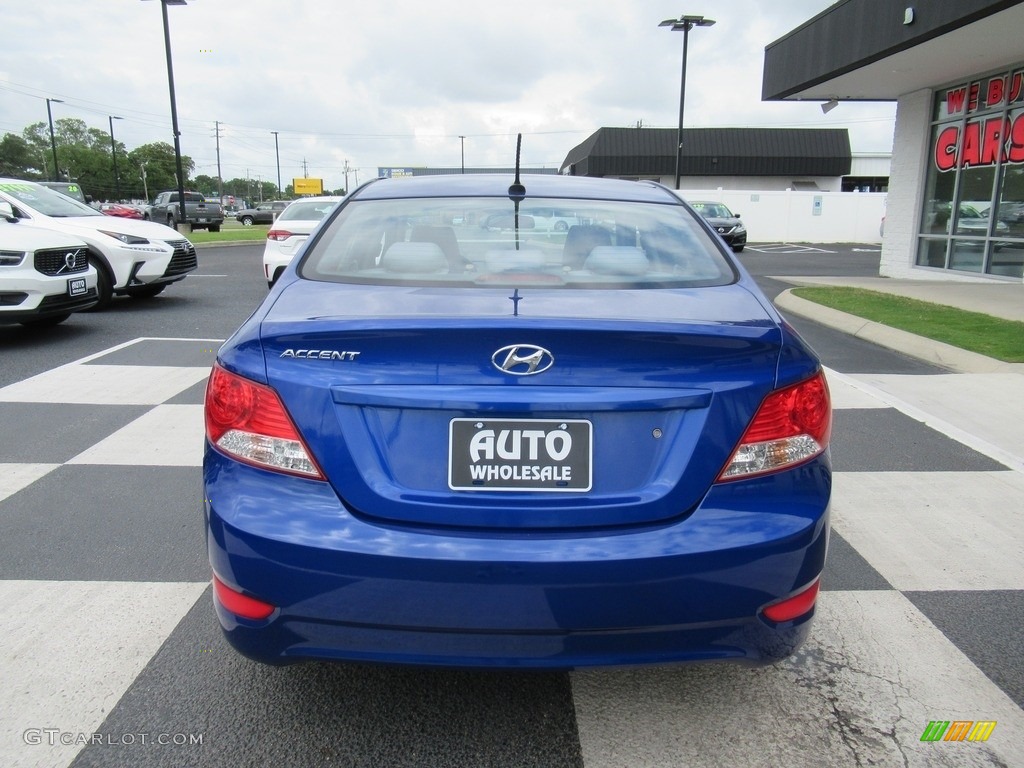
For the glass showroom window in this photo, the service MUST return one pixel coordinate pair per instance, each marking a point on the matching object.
(972, 217)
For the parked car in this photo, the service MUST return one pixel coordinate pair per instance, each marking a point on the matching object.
(132, 258)
(291, 230)
(263, 213)
(69, 188)
(554, 220)
(124, 211)
(200, 213)
(437, 445)
(726, 223)
(44, 275)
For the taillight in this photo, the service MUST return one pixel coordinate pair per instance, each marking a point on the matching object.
(279, 234)
(239, 604)
(793, 607)
(248, 421)
(791, 426)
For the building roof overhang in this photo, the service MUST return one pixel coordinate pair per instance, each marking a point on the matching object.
(862, 50)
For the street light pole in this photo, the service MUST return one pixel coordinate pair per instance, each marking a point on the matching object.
(174, 109)
(684, 23)
(277, 154)
(463, 140)
(113, 154)
(53, 141)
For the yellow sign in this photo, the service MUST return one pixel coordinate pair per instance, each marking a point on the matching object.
(308, 186)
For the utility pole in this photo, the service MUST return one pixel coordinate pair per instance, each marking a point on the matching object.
(305, 169)
(220, 179)
(145, 187)
(346, 176)
(277, 154)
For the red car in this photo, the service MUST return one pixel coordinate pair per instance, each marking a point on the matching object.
(124, 211)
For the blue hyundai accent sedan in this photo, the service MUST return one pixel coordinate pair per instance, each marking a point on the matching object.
(452, 437)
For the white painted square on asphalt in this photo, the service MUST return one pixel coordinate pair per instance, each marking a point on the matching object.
(862, 690)
(935, 530)
(104, 384)
(976, 408)
(166, 436)
(68, 653)
(14, 477)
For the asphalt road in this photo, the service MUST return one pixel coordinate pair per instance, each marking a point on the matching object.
(109, 633)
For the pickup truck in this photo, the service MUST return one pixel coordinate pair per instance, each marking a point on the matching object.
(199, 213)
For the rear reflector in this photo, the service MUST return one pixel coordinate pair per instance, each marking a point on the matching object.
(239, 604)
(791, 426)
(248, 421)
(793, 607)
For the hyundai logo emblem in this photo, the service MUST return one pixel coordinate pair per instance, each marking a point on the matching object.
(522, 359)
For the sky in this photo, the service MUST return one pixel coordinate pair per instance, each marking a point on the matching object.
(400, 83)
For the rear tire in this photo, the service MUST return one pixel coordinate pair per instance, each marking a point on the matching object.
(215, 227)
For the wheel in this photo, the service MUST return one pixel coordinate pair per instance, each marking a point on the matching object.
(46, 322)
(561, 226)
(145, 291)
(215, 227)
(104, 285)
(246, 221)
(738, 248)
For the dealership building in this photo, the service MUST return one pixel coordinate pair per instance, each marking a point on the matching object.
(955, 68)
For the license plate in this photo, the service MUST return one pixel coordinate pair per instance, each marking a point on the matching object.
(200, 221)
(76, 286)
(520, 455)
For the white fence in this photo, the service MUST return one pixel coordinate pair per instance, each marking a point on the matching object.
(802, 217)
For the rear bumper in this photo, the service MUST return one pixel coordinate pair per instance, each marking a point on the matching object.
(348, 589)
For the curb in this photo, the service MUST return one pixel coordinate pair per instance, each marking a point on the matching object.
(935, 352)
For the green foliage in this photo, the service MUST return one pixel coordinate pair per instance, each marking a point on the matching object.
(19, 159)
(84, 156)
(973, 331)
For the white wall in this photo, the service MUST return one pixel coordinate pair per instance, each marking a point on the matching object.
(789, 217)
(740, 183)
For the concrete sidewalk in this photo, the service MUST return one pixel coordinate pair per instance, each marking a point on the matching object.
(980, 402)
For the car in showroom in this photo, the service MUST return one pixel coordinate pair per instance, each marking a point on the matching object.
(132, 258)
(262, 213)
(44, 275)
(290, 230)
(725, 222)
(437, 444)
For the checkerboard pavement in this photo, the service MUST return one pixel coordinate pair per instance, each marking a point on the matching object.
(108, 630)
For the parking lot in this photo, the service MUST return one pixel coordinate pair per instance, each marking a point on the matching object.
(112, 654)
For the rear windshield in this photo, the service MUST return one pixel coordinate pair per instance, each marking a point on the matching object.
(307, 210)
(491, 241)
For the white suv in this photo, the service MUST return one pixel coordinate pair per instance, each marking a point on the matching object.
(133, 258)
(44, 275)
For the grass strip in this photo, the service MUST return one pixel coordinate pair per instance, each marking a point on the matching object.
(973, 331)
(254, 233)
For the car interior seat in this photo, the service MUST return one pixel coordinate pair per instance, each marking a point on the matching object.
(580, 240)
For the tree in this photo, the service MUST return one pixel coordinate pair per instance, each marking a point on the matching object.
(18, 159)
(158, 159)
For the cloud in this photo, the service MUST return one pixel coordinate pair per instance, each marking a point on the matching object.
(398, 83)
